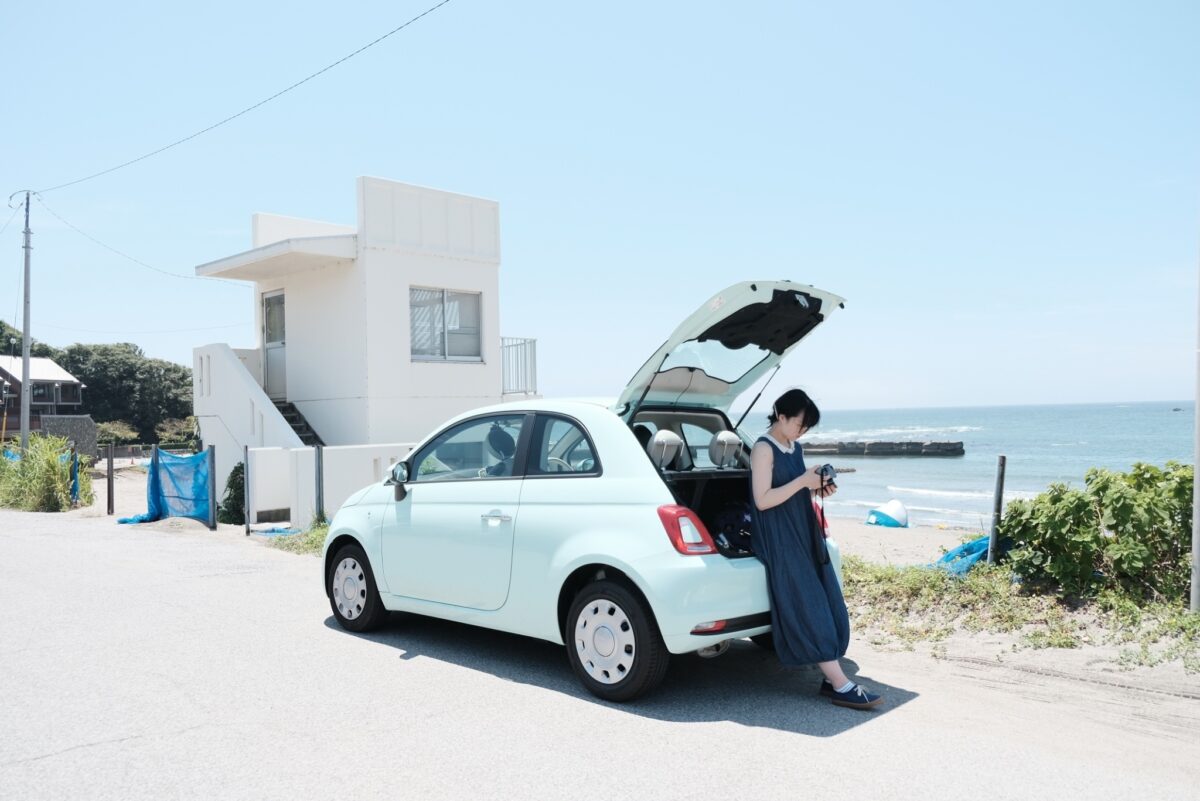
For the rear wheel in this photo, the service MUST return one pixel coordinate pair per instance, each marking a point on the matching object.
(613, 642)
(353, 595)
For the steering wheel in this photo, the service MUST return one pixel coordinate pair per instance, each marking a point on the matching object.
(566, 466)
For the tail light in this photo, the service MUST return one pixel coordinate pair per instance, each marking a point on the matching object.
(687, 533)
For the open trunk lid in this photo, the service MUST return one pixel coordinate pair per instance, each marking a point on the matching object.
(727, 344)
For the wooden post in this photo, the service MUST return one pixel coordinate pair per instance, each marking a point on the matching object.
(997, 509)
(109, 478)
(319, 466)
(246, 486)
(212, 487)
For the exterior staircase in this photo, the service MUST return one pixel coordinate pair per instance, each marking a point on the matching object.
(296, 420)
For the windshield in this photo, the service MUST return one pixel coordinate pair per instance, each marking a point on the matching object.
(715, 359)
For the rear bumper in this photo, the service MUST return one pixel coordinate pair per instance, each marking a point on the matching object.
(687, 591)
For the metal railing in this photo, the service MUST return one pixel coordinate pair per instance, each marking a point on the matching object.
(520, 365)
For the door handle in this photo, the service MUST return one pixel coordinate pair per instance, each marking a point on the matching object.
(495, 517)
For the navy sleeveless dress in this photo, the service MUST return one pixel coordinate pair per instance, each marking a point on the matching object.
(808, 614)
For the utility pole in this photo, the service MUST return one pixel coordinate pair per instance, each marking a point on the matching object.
(1194, 601)
(26, 384)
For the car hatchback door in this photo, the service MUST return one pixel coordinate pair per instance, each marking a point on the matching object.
(450, 539)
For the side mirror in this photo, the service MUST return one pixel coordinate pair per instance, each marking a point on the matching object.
(398, 478)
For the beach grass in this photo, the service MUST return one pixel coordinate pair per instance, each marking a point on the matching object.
(306, 542)
(908, 605)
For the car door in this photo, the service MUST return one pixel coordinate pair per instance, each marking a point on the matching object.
(450, 539)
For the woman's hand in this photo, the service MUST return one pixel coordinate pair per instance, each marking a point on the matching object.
(810, 479)
(826, 491)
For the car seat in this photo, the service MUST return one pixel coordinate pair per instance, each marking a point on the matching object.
(502, 446)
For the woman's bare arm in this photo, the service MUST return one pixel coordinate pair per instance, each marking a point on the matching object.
(762, 460)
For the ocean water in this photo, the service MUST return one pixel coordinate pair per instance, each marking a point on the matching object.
(1043, 444)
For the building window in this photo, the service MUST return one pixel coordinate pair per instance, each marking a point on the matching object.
(445, 324)
(43, 393)
(68, 393)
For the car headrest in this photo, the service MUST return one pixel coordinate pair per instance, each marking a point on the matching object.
(501, 443)
(723, 448)
(664, 447)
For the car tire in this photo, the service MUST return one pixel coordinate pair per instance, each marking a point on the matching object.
(353, 594)
(613, 642)
(764, 640)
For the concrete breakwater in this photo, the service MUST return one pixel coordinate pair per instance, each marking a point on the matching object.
(885, 448)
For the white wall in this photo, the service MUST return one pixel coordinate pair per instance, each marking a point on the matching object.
(232, 409)
(413, 236)
(268, 228)
(326, 336)
(270, 479)
(251, 359)
(349, 469)
(286, 477)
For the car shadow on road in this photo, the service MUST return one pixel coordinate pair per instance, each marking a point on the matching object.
(746, 685)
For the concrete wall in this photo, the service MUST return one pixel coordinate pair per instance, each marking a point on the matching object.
(77, 428)
(233, 410)
(416, 237)
(285, 478)
(269, 477)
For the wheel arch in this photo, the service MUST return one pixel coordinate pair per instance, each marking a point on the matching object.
(584, 575)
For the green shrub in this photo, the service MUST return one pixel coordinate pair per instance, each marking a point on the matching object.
(1124, 531)
(41, 480)
(116, 432)
(177, 431)
(233, 504)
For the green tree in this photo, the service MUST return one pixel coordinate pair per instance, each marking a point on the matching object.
(122, 382)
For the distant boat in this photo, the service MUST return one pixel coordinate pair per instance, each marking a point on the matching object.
(1177, 409)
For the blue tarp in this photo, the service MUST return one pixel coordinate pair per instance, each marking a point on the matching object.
(177, 487)
(12, 457)
(965, 556)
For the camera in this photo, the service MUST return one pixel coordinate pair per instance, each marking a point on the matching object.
(827, 473)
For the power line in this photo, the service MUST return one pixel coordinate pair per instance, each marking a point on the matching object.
(138, 262)
(16, 210)
(249, 108)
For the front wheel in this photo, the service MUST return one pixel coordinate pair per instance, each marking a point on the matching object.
(613, 642)
(353, 595)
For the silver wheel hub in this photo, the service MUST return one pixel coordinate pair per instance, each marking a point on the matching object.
(605, 642)
(349, 588)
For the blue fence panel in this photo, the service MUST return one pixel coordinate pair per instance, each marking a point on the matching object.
(178, 486)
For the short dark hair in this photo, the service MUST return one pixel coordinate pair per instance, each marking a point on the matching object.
(795, 402)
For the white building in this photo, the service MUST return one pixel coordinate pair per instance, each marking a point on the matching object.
(369, 334)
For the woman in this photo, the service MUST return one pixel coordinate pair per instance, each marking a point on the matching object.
(808, 614)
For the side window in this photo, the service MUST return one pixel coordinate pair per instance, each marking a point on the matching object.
(560, 447)
(481, 448)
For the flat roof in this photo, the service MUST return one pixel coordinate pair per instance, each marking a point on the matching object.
(284, 258)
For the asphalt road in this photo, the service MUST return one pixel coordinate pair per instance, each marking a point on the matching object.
(174, 662)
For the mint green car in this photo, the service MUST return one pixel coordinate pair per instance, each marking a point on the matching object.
(612, 530)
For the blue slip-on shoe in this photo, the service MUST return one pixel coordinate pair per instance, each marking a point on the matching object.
(856, 698)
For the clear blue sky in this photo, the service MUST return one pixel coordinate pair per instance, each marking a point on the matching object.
(1008, 195)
